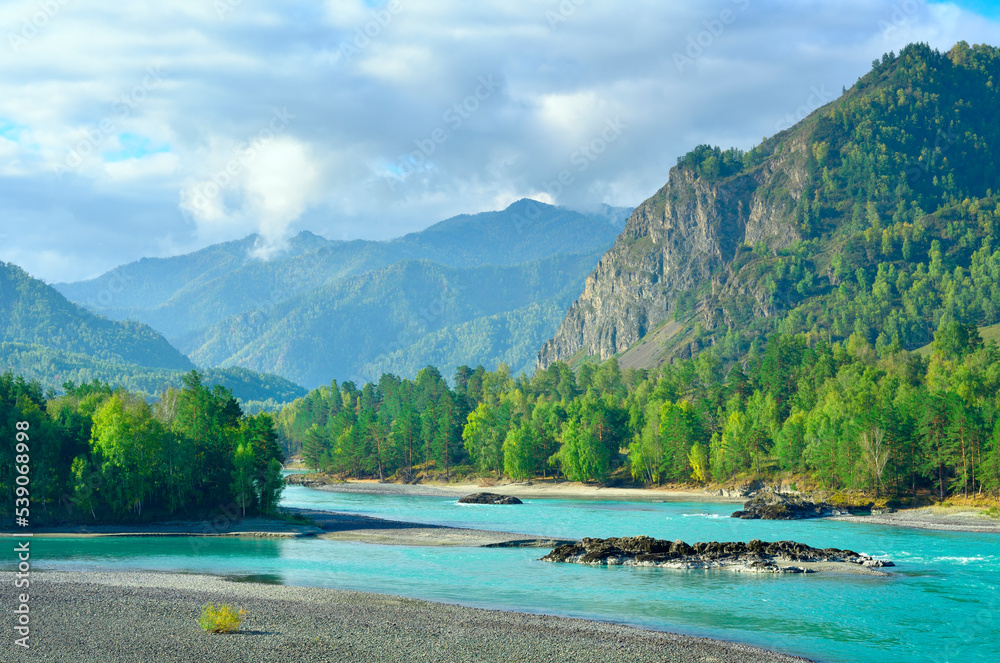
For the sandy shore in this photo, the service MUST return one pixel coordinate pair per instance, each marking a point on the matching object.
(95, 617)
(532, 490)
(948, 519)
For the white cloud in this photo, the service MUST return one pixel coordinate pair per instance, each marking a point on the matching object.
(162, 164)
(223, 76)
(262, 188)
(280, 183)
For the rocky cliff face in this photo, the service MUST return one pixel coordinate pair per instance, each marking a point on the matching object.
(680, 240)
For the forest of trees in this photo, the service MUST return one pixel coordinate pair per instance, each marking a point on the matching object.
(841, 414)
(899, 215)
(98, 454)
(796, 367)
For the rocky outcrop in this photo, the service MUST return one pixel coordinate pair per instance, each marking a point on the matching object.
(756, 556)
(769, 505)
(489, 498)
(745, 489)
(685, 235)
(307, 480)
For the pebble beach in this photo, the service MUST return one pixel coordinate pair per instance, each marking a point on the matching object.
(134, 617)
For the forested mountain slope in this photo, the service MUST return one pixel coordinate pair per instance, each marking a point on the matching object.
(877, 214)
(34, 313)
(398, 319)
(46, 338)
(187, 293)
(482, 288)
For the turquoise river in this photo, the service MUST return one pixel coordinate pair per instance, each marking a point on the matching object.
(942, 603)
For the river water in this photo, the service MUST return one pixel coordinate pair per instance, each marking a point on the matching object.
(942, 602)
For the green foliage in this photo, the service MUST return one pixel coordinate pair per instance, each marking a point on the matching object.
(710, 163)
(485, 288)
(582, 456)
(221, 619)
(98, 453)
(852, 419)
(33, 313)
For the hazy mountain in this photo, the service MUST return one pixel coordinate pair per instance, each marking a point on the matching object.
(397, 319)
(187, 293)
(34, 313)
(226, 307)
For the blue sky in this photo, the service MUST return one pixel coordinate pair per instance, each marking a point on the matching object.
(151, 129)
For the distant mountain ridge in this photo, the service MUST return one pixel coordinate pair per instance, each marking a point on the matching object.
(34, 313)
(380, 318)
(227, 308)
(45, 337)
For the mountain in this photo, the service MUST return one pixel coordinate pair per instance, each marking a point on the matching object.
(344, 300)
(53, 368)
(184, 294)
(397, 319)
(45, 337)
(524, 232)
(875, 216)
(33, 313)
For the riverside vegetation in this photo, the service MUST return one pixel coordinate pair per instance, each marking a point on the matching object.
(794, 357)
(99, 454)
(853, 418)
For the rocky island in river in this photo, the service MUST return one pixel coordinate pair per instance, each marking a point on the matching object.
(754, 557)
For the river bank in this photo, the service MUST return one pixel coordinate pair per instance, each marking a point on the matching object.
(953, 518)
(945, 519)
(128, 617)
(539, 489)
(314, 523)
(223, 526)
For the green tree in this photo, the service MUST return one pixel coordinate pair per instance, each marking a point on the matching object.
(519, 452)
(582, 455)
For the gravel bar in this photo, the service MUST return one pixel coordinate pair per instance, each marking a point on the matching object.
(131, 617)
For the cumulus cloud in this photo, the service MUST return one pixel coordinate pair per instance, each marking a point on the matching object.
(142, 135)
(263, 186)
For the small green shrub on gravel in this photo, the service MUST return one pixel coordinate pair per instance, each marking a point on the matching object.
(222, 619)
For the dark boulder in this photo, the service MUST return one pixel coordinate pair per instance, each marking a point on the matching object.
(769, 505)
(489, 498)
